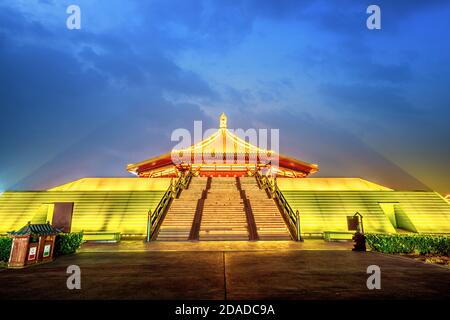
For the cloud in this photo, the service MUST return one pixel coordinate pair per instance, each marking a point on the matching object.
(76, 103)
(367, 99)
(55, 97)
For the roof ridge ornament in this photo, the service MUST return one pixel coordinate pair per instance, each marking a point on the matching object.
(223, 121)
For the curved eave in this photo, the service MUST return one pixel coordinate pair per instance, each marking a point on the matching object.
(297, 165)
(166, 160)
(151, 164)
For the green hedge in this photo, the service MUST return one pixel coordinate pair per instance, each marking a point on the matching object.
(5, 248)
(67, 243)
(409, 243)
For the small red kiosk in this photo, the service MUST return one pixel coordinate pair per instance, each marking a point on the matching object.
(34, 243)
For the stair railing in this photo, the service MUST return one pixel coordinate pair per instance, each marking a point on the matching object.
(188, 179)
(173, 191)
(293, 217)
(264, 183)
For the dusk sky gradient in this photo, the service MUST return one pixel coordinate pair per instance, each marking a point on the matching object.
(361, 103)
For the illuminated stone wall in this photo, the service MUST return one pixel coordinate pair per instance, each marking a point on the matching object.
(383, 211)
(119, 211)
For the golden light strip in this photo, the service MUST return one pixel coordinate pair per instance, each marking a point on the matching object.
(201, 144)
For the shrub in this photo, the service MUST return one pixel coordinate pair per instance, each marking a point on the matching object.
(5, 248)
(67, 243)
(409, 243)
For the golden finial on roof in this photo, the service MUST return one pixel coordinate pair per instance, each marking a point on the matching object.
(223, 121)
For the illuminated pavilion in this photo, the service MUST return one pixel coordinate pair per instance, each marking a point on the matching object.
(222, 154)
(224, 188)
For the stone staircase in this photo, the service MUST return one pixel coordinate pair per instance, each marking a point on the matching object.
(223, 217)
(270, 224)
(178, 221)
(216, 211)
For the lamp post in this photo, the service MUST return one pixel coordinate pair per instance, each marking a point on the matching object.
(361, 220)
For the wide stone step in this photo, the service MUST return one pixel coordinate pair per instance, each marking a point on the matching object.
(227, 216)
(274, 231)
(224, 230)
(258, 202)
(270, 238)
(270, 223)
(224, 235)
(174, 237)
(226, 222)
(225, 210)
(233, 204)
(176, 226)
(224, 214)
(273, 217)
(268, 213)
(177, 223)
(265, 226)
(220, 200)
(175, 230)
(221, 219)
(213, 225)
(174, 234)
(220, 236)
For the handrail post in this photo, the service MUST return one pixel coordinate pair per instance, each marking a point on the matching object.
(273, 187)
(149, 225)
(173, 188)
(299, 237)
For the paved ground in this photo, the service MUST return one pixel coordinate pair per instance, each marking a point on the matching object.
(285, 274)
(141, 246)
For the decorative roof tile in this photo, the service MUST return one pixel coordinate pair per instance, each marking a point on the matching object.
(36, 229)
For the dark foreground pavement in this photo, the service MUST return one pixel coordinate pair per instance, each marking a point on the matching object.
(228, 275)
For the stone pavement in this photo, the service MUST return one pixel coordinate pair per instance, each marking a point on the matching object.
(141, 246)
(283, 274)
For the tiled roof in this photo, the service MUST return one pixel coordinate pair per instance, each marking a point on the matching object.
(36, 229)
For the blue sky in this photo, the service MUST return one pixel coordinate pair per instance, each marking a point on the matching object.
(359, 102)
